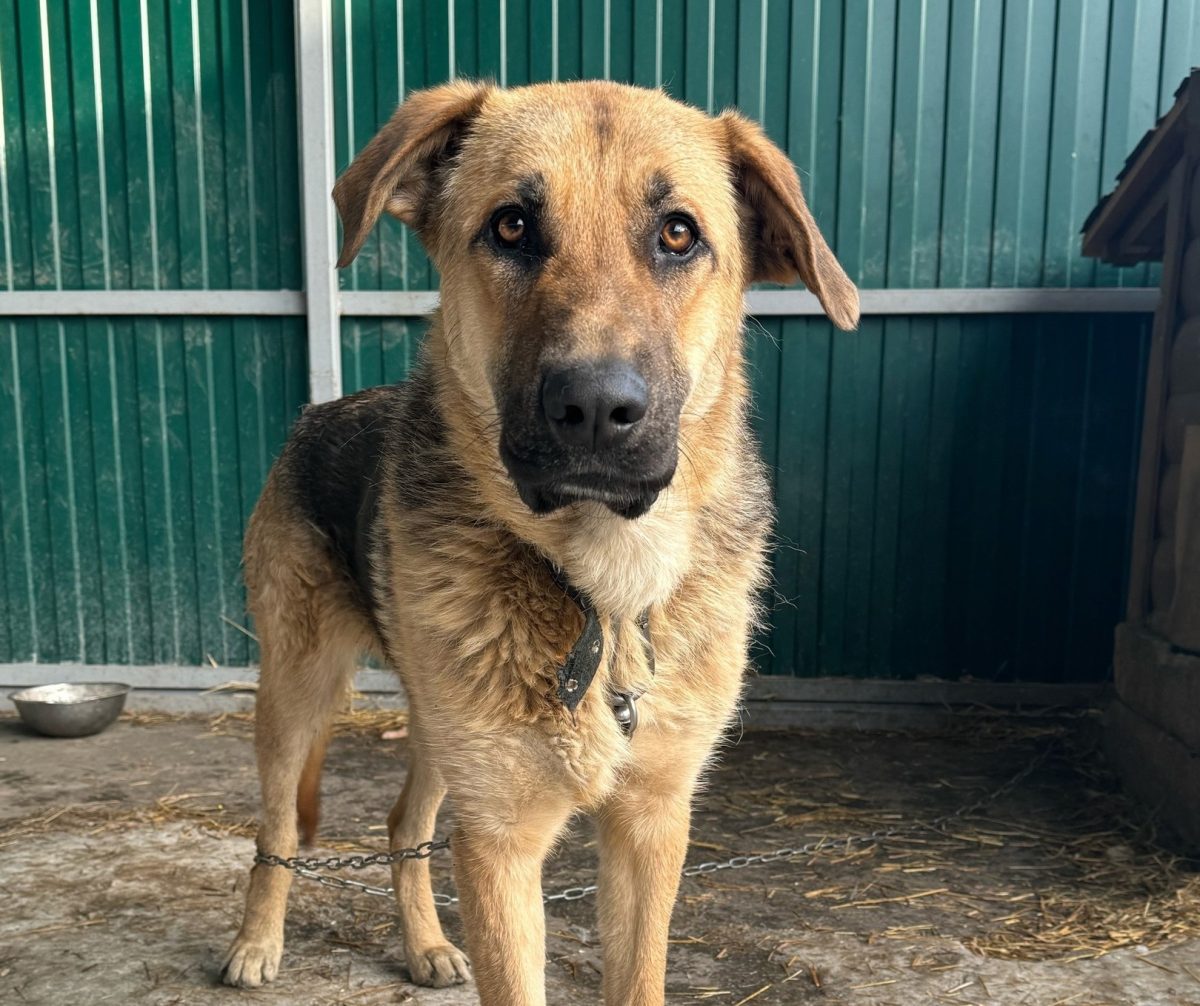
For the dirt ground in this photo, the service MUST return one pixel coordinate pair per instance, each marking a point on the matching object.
(123, 860)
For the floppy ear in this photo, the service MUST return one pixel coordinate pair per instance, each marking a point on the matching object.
(394, 172)
(785, 242)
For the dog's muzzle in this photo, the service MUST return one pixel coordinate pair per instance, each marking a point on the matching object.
(590, 431)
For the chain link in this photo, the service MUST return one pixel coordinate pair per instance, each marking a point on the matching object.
(307, 868)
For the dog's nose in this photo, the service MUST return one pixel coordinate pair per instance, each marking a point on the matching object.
(594, 405)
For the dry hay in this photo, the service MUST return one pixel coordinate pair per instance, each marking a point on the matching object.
(1095, 893)
(1111, 889)
(1109, 883)
(1062, 869)
(202, 810)
(198, 809)
(351, 718)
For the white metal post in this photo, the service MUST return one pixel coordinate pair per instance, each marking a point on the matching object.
(314, 94)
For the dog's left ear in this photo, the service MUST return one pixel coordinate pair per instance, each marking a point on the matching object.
(394, 172)
(786, 243)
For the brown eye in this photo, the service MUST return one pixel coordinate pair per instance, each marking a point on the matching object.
(677, 236)
(509, 228)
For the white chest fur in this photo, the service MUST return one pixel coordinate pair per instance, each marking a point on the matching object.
(625, 566)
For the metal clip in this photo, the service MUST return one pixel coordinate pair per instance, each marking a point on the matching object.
(624, 707)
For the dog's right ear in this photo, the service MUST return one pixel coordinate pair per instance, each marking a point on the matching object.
(785, 240)
(394, 172)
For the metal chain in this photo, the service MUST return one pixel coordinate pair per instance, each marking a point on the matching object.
(307, 868)
(851, 841)
(298, 863)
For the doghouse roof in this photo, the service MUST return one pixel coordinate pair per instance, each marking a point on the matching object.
(1128, 225)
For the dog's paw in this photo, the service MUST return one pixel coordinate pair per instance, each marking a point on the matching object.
(439, 966)
(252, 962)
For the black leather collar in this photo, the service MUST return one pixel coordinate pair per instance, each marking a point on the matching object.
(583, 660)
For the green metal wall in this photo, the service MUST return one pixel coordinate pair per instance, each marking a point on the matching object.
(953, 492)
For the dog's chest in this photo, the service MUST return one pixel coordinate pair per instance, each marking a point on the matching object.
(485, 636)
(480, 631)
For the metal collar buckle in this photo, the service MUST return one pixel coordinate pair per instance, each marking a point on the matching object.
(624, 707)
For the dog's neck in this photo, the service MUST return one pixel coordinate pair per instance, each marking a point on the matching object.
(624, 566)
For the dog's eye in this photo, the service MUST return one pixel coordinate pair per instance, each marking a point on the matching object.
(677, 236)
(509, 228)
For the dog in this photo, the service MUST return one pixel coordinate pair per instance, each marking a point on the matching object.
(554, 530)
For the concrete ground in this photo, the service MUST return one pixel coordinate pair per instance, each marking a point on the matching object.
(123, 861)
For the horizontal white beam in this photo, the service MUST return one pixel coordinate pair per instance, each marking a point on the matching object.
(116, 303)
(162, 677)
(389, 303)
(417, 303)
(1035, 300)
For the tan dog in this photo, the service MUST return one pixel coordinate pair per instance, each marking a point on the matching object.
(566, 487)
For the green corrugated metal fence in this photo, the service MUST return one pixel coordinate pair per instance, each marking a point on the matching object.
(953, 492)
(145, 146)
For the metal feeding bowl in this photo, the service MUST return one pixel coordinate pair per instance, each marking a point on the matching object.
(68, 710)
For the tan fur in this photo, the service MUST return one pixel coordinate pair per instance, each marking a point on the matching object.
(464, 607)
(308, 791)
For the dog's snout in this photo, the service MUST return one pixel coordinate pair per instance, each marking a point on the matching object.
(594, 405)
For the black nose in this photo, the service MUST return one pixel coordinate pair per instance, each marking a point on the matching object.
(594, 405)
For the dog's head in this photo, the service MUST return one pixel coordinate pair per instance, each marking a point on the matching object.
(594, 242)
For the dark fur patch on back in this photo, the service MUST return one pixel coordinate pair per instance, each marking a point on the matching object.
(425, 471)
(335, 452)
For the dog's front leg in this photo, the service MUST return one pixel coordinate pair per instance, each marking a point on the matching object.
(498, 870)
(643, 834)
(432, 959)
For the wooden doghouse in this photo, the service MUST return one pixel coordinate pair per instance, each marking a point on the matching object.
(1153, 726)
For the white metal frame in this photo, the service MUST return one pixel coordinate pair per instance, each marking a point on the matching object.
(324, 309)
(214, 303)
